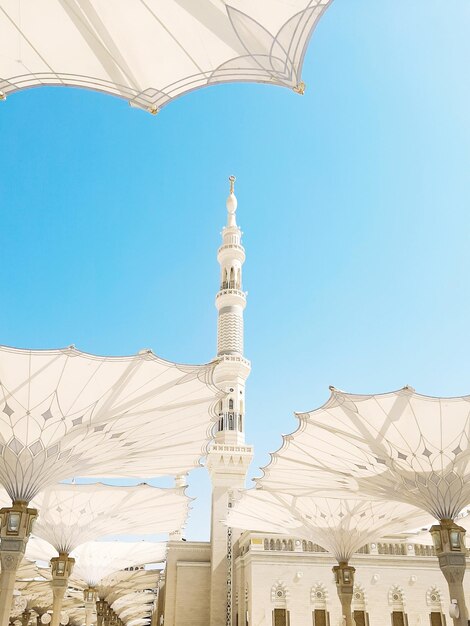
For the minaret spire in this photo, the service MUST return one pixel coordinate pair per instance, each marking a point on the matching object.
(232, 204)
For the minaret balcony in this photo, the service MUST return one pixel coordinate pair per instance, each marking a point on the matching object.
(237, 293)
(232, 251)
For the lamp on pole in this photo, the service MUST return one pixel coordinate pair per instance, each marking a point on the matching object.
(344, 578)
(15, 527)
(89, 596)
(101, 612)
(61, 568)
(449, 543)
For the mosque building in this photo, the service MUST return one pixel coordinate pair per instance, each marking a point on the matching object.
(264, 579)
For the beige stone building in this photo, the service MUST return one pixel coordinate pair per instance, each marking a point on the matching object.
(262, 579)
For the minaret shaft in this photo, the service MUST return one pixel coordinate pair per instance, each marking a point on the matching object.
(230, 301)
(229, 457)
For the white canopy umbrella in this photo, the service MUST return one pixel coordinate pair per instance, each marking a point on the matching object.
(116, 589)
(65, 413)
(400, 446)
(95, 561)
(133, 598)
(137, 601)
(150, 52)
(74, 514)
(340, 526)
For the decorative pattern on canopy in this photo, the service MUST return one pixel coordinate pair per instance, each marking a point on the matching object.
(151, 52)
(399, 446)
(65, 413)
(339, 526)
(74, 514)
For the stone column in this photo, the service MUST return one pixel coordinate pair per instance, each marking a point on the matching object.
(89, 596)
(61, 568)
(344, 577)
(449, 543)
(101, 611)
(16, 523)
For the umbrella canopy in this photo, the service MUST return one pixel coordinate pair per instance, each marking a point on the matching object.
(36, 593)
(65, 413)
(71, 515)
(339, 526)
(150, 52)
(130, 602)
(399, 446)
(98, 560)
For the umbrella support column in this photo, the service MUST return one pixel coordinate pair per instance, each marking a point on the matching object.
(449, 543)
(16, 522)
(101, 612)
(344, 577)
(61, 568)
(89, 595)
(25, 617)
(58, 592)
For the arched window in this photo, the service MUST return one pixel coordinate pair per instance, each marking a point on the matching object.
(272, 545)
(230, 404)
(232, 278)
(278, 544)
(266, 544)
(304, 545)
(230, 422)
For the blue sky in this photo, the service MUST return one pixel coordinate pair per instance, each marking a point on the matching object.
(354, 201)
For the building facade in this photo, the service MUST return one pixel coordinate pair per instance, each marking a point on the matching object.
(254, 579)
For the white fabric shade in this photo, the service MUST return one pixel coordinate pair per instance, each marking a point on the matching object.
(70, 515)
(97, 560)
(37, 594)
(150, 52)
(339, 526)
(65, 413)
(127, 604)
(399, 446)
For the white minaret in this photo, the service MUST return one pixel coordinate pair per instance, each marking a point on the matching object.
(229, 457)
